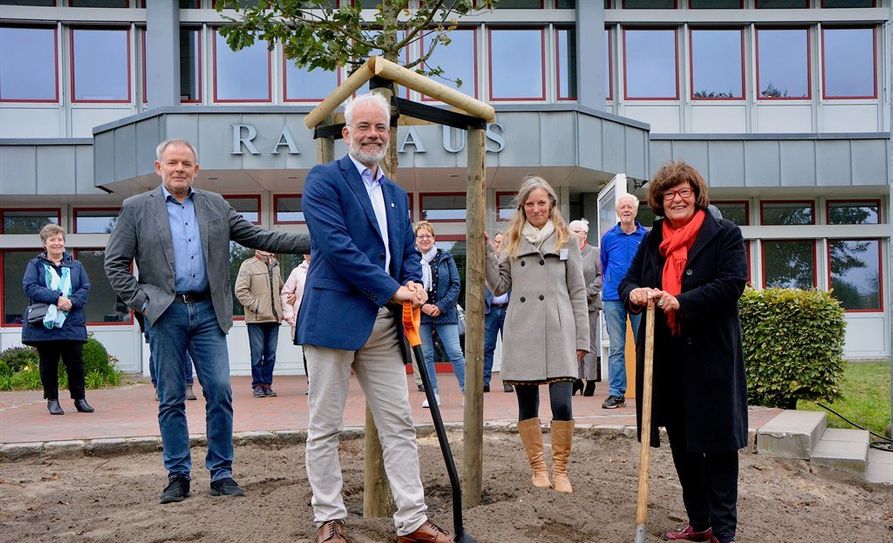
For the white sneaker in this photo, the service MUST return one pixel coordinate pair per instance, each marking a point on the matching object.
(426, 405)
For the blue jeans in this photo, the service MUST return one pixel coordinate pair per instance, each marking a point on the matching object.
(262, 340)
(193, 327)
(615, 320)
(189, 376)
(449, 336)
(493, 323)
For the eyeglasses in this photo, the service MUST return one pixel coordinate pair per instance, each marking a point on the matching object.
(670, 195)
(424, 236)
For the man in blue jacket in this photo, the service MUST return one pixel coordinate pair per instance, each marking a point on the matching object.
(364, 257)
(619, 246)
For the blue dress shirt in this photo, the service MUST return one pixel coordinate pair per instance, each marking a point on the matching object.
(189, 259)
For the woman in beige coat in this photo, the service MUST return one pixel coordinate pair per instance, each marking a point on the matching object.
(547, 327)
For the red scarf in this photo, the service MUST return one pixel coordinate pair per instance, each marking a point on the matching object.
(674, 247)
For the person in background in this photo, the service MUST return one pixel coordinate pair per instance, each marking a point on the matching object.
(441, 280)
(292, 292)
(258, 286)
(494, 320)
(618, 247)
(547, 326)
(592, 275)
(58, 280)
(694, 267)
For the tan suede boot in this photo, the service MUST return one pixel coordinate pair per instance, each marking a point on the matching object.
(562, 435)
(532, 438)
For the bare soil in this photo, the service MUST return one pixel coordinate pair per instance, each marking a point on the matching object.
(116, 499)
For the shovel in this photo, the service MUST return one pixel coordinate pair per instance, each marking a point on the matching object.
(645, 430)
(411, 320)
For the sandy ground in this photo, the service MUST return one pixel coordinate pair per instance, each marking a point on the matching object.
(116, 499)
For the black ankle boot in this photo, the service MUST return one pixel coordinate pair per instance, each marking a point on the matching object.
(590, 388)
(578, 387)
(54, 407)
(82, 406)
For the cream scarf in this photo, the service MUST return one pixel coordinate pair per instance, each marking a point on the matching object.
(426, 267)
(536, 236)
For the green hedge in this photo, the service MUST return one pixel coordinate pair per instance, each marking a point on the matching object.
(20, 370)
(793, 346)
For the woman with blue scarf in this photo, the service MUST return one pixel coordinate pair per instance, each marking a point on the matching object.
(56, 279)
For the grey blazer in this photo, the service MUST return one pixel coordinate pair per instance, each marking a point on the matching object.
(143, 233)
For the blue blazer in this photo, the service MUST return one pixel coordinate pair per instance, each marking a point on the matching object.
(347, 283)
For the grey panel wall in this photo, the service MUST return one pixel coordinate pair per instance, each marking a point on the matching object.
(57, 167)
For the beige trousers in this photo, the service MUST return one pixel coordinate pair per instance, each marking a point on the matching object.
(380, 372)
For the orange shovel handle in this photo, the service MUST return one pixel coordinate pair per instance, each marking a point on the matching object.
(412, 320)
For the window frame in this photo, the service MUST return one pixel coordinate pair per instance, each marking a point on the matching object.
(474, 31)
(746, 208)
(763, 217)
(216, 100)
(73, 74)
(558, 96)
(3, 211)
(756, 38)
(626, 95)
(880, 257)
(255, 197)
(277, 197)
(691, 61)
(422, 196)
(829, 202)
(129, 320)
(74, 216)
(55, 99)
(609, 97)
(815, 258)
(543, 69)
(874, 53)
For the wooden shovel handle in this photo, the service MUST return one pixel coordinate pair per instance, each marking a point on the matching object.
(645, 431)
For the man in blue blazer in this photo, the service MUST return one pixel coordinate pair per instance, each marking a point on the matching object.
(364, 257)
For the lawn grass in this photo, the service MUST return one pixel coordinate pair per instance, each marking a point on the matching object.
(865, 399)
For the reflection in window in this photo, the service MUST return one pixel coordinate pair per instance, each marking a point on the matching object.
(443, 207)
(458, 60)
(94, 221)
(650, 64)
(28, 221)
(714, 4)
(565, 4)
(241, 76)
(247, 206)
(649, 4)
(519, 4)
(783, 63)
(101, 65)
(856, 273)
(305, 85)
(98, 3)
(190, 65)
(104, 305)
(28, 64)
(609, 65)
(288, 209)
(847, 3)
(509, 78)
(505, 206)
(854, 212)
(782, 4)
(14, 300)
(789, 264)
(787, 213)
(48, 3)
(567, 63)
(848, 55)
(237, 255)
(717, 64)
(735, 212)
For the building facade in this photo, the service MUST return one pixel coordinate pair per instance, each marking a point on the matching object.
(784, 105)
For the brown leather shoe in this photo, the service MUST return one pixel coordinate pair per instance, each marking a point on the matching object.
(690, 534)
(427, 533)
(331, 532)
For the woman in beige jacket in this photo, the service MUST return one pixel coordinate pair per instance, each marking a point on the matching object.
(547, 327)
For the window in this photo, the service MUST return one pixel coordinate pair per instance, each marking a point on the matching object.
(98, 3)
(848, 3)
(848, 63)
(855, 273)
(650, 64)
(505, 206)
(519, 4)
(717, 68)
(854, 212)
(736, 212)
(48, 3)
(565, 4)
(457, 247)
(14, 300)
(94, 221)
(782, 4)
(247, 206)
(100, 60)
(104, 306)
(789, 264)
(241, 76)
(28, 221)
(28, 65)
(304, 85)
(783, 64)
(786, 213)
(184, 4)
(715, 4)
(566, 62)
(509, 78)
(287, 209)
(458, 60)
(649, 4)
(609, 65)
(443, 207)
(190, 66)
(645, 216)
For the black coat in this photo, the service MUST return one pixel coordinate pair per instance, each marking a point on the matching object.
(698, 375)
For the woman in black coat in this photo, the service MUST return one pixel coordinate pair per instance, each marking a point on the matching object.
(694, 268)
(58, 280)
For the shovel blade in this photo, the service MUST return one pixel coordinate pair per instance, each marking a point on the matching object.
(640, 533)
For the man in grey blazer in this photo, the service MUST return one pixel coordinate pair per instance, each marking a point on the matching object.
(179, 237)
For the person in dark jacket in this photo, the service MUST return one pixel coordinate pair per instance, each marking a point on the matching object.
(58, 280)
(693, 266)
(441, 280)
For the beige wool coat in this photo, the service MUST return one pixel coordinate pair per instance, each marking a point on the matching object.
(548, 317)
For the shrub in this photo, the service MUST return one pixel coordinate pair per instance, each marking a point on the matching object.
(20, 370)
(793, 346)
(26, 379)
(17, 358)
(5, 370)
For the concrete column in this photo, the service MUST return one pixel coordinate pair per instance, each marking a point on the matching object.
(591, 74)
(163, 53)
